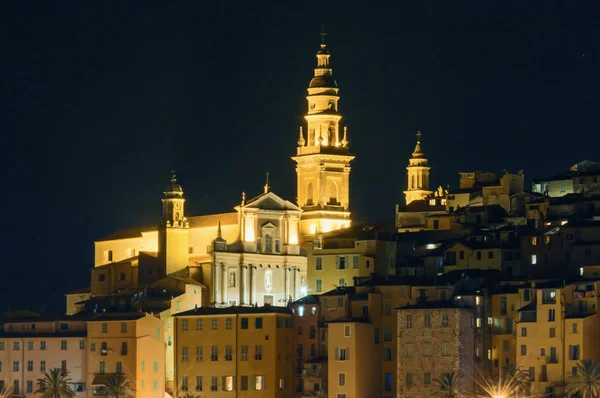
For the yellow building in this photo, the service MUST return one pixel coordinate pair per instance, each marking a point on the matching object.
(128, 343)
(418, 175)
(342, 258)
(31, 346)
(242, 350)
(323, 157)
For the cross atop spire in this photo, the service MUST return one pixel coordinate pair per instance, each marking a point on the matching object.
(173, 176)
(323, 34)
(419, 136)
(267, 184)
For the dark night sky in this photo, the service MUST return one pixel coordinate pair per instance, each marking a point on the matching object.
(99, 100)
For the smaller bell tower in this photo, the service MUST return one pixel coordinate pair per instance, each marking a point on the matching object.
(173, 233)
(418, 174)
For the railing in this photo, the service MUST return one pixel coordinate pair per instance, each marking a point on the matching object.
(548, 300)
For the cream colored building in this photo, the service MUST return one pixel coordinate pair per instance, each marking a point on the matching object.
(235, 351)
(323, 156)
(31, 346)
(128, 343)
(342, 258)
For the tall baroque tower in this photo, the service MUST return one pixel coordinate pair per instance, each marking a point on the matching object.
(173, 233)
(323, 157)
(418, 174)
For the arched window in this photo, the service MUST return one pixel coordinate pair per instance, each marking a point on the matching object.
(413, 182)
(109, 256)
(309, 194)
(333, 193)
(268, 243)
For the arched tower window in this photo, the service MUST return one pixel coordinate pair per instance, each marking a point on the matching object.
(413, 184)
(333, 193)
(309, 194)
(268, 243)
(109, 256)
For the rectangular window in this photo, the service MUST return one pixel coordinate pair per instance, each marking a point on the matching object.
(319, 285)
(16, 345)
(184, 354)
(155, 366)
(155, 385)
(102, 367)
(227, 323)
(214, 353)
(42, 366)
(30, 386)
(30, 346)
(258, 323)
(427, 349)
(214, 322)
(124, 348)
(198, 383)
(244, 323)
(552, 332)
(533, 259)
(184, 383)
(409, 321)
(531, 373)
(124, 327)
(104, 327)
(409, 379)
(341, 354)
(30, 366)
(427, 320)
(387, 382)
(42, 345)
(82, 344)
(574, 328)
(259, 383)
(63, 344)
(15, 366)
(143, 366)
(346, 330)
(551, 315)
(523, 349)
(427, 378)
(523, 332)
(198, 324)
(506, 345)
(119, 367)
(318, 263)
(184, 324)
(355, 261)
(387, 354)
(445, 351)
(258, 350)
(199, 354)
(490, 254)
(228, 383)
(244, 386)
(478, 255)
(228, 353)
(341, 379)
(574, 352)
(445, 320)
(244, 353)
(387, 332)
(408, 350)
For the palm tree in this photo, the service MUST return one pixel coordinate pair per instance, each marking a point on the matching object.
(118, 386)
(6, 392)
(55, 384)
(587, 381)
(320, 394)
(189, 394)
(449, 386)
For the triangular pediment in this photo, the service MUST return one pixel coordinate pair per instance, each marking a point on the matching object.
(270, 201)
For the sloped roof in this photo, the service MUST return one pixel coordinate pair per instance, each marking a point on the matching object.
(270, 201)
(267, 309)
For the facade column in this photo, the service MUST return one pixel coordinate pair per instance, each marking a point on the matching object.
(295, 283)
(285, 281)
(215, 287)
(224, 284)
(242, 284)
(251, 284)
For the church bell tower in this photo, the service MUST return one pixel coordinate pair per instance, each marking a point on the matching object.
(323, 157)
(418, 174)
(173, 233)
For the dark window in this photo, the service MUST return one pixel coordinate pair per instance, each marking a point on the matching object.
(490, 254)
(122, 276)
(478, 255)
(258, 323)
(244, 323)
(436, 225)
(461, 255)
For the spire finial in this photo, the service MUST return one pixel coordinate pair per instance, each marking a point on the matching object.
(243, 198)
(173, 176)
(219, 234)
(419, 136)
(267, 184)
(301, 141)
(345, 139)
(323, 34)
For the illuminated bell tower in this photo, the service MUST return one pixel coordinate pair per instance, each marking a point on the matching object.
(173, 233)
(418, 174)
(323, 157)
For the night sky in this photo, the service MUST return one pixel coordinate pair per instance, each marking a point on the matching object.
(99, 100)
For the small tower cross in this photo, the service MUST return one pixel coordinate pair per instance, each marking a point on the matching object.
(323, 34)
(419, 136)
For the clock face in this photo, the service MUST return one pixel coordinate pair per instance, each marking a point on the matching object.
(177, 205)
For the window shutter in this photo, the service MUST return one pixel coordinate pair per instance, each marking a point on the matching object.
(234, 386)
(252, 383)
(337, 353)
(337, 262)
(571, 352)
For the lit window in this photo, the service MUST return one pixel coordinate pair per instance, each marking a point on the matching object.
(228, 383)
(260, 383)
(533, 259)
(534, 241)
(301, 311)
